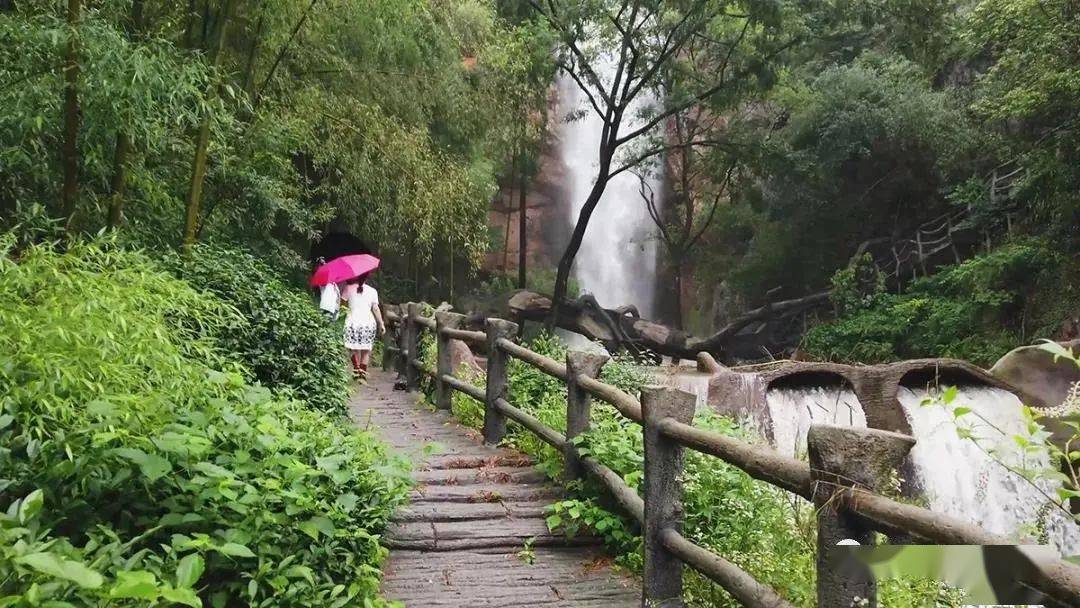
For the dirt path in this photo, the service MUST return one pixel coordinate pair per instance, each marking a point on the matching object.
(461, 541)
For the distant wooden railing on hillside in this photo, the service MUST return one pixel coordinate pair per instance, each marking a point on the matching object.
(847, 466)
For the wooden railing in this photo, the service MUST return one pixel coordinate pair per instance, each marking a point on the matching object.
(847, 466)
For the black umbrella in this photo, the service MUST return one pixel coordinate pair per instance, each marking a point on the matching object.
(336, 245)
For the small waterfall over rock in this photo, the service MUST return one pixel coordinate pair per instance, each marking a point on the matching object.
(959, 477)
(617, 260)
(793, 410)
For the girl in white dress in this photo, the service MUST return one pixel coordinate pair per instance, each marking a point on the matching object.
(363, 323)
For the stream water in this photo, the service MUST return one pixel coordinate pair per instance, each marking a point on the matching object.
(959, 477)
(793, 410)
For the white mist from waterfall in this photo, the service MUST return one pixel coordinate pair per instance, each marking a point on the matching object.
(960, 479)
(617, 259)
(793, 410)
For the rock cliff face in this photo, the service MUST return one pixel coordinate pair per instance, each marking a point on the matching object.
(548, 226)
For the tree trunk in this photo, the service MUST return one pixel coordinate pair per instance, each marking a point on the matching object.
(253, 53)
(509, 209)
(119, 181)
(617, 329)
(523, 224)
(281, 54)
(677, 281)
(566, 262)
(198, 165)
(72, 120)
(123, 139)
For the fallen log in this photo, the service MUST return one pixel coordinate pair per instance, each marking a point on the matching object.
(623, 328)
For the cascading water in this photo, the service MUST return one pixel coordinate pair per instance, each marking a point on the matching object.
(960, 478)
(793, 410)
(617, 259)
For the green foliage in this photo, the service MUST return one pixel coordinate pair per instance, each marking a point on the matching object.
(280, 335)
(864, 152)
(138, 466)
(961, 312)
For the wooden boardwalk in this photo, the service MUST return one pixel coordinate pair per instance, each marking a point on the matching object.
(461, 540)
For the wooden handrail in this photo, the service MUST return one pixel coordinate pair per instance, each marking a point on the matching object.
(549, 435)
(464, 387)
(465, 335)
(743, 587)
(757, 461)
(1056, 578)
(547, 365)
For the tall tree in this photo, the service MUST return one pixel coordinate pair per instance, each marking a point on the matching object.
(202, 141)
(123, 135)
(69, 195)
(523, 226)
(699, 178)
(617, 52)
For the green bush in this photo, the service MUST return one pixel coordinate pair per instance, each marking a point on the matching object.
(963, 311)
(137, 466)
(281, 337)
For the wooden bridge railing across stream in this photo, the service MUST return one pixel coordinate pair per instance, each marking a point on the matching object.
(847, 467)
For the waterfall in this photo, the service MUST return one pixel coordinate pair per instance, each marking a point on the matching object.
(960, 479)
(617, 260)
(793, 410)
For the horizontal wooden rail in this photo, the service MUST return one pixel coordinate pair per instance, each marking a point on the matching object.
(547, 365)
(419, 366)
(549, 435)
(622, 401)
(464, 387)
(743, 587)
(626, 496)
(666, 548)
(465, 335)
(757, 461)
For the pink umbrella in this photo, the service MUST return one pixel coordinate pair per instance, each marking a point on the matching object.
(343, 269)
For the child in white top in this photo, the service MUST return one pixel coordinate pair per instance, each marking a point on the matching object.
(363, 323)
(330, 300)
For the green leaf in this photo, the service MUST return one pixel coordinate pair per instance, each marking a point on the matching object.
(554, 521)
(53, 565)
(235, 550)
(30, 506)
(183, 596)
(136, 584)
(347, 502)
(189, 570)
(949, 395)
(152, 466)
(960, 411)
(316, 525)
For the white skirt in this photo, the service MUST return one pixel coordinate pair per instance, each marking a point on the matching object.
(360, 336)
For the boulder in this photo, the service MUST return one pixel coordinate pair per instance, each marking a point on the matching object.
(1042, 381)
(461, 356)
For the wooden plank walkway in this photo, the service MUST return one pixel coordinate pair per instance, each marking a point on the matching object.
(473, 509)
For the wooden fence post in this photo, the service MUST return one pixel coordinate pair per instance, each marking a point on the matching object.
(848, 456)
(578, 404)
(411, 348)
(662, 585)
(494, 420)
(444, 394)
(388, 337)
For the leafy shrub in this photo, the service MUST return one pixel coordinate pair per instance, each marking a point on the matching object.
(281, 337)
(960, 312)
(137, 465)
